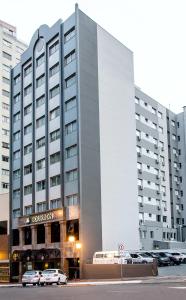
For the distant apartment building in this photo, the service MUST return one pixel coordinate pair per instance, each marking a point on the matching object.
(10, 51)
(161, 168)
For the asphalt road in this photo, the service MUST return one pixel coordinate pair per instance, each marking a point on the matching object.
(109, 292)
(173, 270)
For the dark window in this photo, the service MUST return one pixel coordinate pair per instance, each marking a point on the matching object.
(40, 60)
(27, 236)
(55, 232)
(15, 237)
(3, 227)
(41, 234)
(53, 48)
(69, 34)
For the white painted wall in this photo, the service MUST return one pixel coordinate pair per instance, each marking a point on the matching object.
(120, 217)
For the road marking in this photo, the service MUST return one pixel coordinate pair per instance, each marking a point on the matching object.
(177, 287)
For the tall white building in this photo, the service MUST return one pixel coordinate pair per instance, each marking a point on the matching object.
(10, 51)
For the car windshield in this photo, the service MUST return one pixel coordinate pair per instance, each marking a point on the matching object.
(143, 255)
(175, 253)
(30, 272)
(49, 271)
(162, 254)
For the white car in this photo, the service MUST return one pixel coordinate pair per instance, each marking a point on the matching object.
(31, 277)
(51, 276)
(141, 258)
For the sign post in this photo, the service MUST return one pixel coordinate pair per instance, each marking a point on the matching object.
(121, 248)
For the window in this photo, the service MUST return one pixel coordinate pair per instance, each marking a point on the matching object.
(27, 90)
(7, 43)
(16, 136)
(137, 100)
(40, 164)
(40, 60)
(154, 125)
(70, 34)
(5, 106)
(54, 91)
(27, 149)
(17, 98)
(55, 180)
(70, 57)
(71, 175)
(72, 200)
(173, 123)
(41, 206)
(6, 93)
(28, 210)
(5, 172)
(16, 194)
(5, 158)
(16, 154)
(16, 174)
(5, 119)
(27, 70)
(139, 166)
(5, 132)
(71, 127)
(173, 137)
(151, 234)
(71, 103)
(40, 142)
(5, 145)
(70, 80)
(5, 185)
(178, 138)
(160, 129)
(40, 122)
(53, 48)
(54, 135)
(137, 117)
(55, 203)
(6, 68)
(16, 213)
(27, 109)
(153, 110)
(28, 189)
(158, 218)
(164, 219)
(40, 101)
(28, 129)
(54, 158)
(6, 80)
(53, 70)
(160, 114)
(28, 169)
(7, 56)
(40, 81)
(54, 113)
(40, 185)
(71, 151)
(17, 79)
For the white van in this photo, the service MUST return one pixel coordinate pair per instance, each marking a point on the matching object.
(111, 257)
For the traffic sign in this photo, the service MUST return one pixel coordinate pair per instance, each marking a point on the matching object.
(121, 249)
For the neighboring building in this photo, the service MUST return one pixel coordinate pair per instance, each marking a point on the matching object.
(10, 51)
(161, 168)
(73, 147)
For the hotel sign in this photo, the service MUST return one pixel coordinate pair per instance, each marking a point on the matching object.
(41, 217)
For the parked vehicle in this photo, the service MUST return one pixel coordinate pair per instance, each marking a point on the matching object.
(173, 259)
(178, 257)
(161, 260)
(51, 276)
(111, 257)
(141, 258)
(183, 255)
(31, 277)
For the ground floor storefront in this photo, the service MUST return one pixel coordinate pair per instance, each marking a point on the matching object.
(46, 240)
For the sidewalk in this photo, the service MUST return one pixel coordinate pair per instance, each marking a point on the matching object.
(141, 280)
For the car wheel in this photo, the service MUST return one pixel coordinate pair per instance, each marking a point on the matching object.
(171, 263)
(58, 282)
(34, 284)
(144, 262)
(42, 283)
(23, 284)
(66, 281)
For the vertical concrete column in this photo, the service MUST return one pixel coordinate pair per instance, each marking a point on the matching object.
(21, 237)
(47, 234)
(34, 235)
(64, 264)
